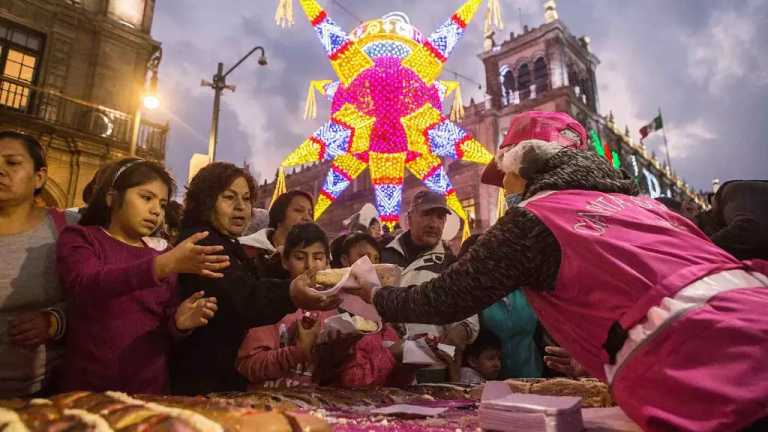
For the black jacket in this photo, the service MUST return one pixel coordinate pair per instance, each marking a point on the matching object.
(204, 361)
(741, 208)
(407, 252)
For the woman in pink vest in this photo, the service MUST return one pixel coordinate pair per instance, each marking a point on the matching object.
(636, 293)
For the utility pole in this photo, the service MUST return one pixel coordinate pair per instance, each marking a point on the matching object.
(666, 144)
(219, 84)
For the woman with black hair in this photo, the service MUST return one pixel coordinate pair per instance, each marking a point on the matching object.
(113, 275)
(218, 201)
(336, 246)
(32, 316)
(264, 246)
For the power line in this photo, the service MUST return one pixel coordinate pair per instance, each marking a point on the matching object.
(347, 11)
(465, 78)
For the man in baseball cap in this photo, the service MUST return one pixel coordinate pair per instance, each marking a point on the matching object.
(426, 219)
(428, 200)
(537, 126)
(422, 255)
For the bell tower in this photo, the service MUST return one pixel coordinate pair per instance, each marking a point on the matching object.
(544, 68)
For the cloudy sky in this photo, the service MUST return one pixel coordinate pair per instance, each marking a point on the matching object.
(702, 61)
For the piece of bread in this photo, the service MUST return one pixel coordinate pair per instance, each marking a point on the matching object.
(518, 386)
(330, 277)
(389, 275)
(593, 393)
(364, 325)
(113, 411)
(128, 415)
(65, 400)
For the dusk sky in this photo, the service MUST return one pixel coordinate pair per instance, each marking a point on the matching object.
(703, 62)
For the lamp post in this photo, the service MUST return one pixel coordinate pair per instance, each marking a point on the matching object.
(149, 100)
(219, 84)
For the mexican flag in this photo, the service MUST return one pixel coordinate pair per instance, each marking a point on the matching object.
(653, 126)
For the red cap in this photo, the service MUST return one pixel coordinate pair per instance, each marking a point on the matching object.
(547, 126)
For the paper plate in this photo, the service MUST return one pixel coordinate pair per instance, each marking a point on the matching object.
(452, 226)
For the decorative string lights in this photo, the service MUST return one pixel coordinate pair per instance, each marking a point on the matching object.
(604, 150)
(386, 109)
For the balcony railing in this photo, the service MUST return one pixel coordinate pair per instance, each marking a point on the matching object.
(98, 121)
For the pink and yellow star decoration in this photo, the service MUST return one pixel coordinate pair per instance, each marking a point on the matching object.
(387, 109)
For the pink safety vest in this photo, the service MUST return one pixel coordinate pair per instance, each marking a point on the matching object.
(620, 255)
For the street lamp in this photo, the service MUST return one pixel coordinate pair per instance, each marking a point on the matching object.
(150, 100)
(219, 84)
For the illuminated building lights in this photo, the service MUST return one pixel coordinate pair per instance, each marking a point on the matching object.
(654, 189)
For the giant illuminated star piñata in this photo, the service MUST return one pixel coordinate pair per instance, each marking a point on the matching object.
(386, 111)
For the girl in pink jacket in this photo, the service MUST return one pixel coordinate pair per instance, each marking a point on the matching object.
(293, 353)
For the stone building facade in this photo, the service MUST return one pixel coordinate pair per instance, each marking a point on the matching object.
(72, 73)
(546, 68)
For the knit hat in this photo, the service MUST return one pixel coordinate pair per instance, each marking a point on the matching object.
(533, 137)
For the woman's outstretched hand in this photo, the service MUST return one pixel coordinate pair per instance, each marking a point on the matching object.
(189, 257)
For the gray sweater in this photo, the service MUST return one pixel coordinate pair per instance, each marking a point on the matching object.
(28, 283)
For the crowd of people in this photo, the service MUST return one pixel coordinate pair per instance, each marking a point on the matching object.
(581, 277)
(126, 292)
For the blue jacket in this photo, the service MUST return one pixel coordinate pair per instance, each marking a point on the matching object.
(512, 320)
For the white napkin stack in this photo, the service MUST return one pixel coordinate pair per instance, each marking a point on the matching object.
(503, 410)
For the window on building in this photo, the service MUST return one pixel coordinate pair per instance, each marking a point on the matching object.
(524, 82)
(573, 76)
(20, 53)
(470, 209)
(128, 12)
(585, 90)
(508, 83)
(540, 75)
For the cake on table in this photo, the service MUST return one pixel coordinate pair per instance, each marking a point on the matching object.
(288, 409)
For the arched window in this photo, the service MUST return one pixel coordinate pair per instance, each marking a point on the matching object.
(540, 75)
(524, 82)
(573, 76)
(508, 84)
(586, 90)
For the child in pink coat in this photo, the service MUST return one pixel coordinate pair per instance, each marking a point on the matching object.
(293, 353)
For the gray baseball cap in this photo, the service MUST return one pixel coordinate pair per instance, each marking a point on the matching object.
(427, 200)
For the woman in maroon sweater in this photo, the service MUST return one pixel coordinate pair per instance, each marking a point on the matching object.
(120, 287)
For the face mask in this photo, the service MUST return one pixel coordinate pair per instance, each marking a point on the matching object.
(513, 199)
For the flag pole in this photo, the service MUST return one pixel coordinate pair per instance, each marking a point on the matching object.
(666, 144)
